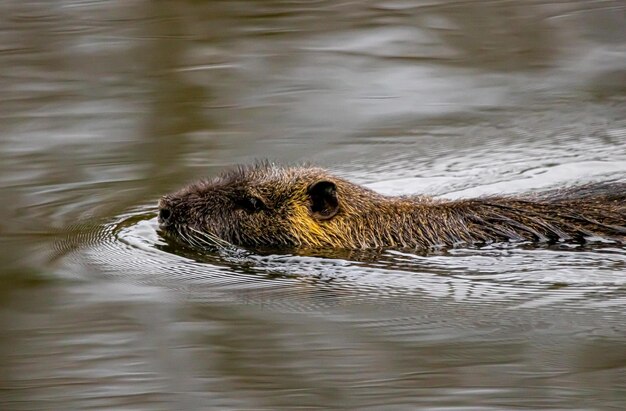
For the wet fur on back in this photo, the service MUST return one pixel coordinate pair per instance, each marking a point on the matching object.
(270, 205)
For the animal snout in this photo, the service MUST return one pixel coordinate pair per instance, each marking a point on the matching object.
(165, 213)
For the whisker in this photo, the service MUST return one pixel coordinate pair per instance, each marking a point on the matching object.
(211, 237)
(188, 238)
(203, 240)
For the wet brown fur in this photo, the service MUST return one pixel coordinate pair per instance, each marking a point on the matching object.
(270, 205)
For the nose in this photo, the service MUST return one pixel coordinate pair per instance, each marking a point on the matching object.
(164, 216)
(165, 213)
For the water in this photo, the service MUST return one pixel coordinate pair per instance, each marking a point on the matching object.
(106, 105)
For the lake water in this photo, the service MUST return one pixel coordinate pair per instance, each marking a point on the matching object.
(107, 105)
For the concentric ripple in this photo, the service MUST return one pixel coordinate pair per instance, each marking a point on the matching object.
(487, 279)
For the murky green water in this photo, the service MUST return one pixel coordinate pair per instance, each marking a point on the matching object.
(106, 105)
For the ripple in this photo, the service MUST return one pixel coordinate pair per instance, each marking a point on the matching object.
(483, 280)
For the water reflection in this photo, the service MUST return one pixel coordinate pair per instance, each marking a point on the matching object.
(108, 104)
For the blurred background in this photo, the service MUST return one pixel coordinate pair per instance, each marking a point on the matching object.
(107, 105)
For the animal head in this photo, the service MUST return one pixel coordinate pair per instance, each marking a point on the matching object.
(265, 205)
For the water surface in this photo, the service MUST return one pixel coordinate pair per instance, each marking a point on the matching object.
(107, 105)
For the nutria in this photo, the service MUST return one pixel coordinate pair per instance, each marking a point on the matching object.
(272, 206)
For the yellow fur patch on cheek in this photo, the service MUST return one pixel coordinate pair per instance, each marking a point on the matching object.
(306, 229)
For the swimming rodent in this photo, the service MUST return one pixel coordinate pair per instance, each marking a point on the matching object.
(269, 205)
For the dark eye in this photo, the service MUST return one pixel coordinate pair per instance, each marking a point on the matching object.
(250, 204)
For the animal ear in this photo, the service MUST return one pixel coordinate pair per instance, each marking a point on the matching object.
(323, 196)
